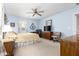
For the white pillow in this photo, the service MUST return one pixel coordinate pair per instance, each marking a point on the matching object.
(10, 35)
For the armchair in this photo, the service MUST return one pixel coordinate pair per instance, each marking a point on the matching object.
(56, 36)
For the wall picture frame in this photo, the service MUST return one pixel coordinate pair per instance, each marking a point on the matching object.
(48, 22)
(32, 26)
(12, 24)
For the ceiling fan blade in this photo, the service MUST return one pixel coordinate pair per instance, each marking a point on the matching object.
(36, 9)
(39, 14)
(33, 14)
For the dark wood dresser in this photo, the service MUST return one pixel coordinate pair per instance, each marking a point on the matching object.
(47, 34)
(69, 46)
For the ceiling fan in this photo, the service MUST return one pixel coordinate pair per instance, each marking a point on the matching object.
(36, 12)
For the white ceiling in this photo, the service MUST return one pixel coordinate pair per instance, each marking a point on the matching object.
(21, 9)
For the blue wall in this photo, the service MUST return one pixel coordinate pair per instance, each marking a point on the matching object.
(13, 19)
(62, 22)
(16, 20)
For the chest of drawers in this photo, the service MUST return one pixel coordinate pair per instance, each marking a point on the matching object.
(69, 46)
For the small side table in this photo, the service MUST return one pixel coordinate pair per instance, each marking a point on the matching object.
(9, 46)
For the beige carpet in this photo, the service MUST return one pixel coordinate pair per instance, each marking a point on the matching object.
(43, 48)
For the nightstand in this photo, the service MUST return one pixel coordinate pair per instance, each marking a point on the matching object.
(9, 46)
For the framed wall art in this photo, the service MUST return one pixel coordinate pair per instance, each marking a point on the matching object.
(12, 24)
(32, 26)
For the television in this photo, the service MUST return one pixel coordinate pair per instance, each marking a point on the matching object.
(47, 28)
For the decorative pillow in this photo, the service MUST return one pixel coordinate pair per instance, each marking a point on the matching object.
(10, 35)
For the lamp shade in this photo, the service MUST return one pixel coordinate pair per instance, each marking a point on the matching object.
(6, 28)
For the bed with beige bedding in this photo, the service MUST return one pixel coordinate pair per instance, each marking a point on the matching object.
(22, 39)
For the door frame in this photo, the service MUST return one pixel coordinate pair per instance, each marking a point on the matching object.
(75, 22)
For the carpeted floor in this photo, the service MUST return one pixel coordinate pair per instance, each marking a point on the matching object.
(43, 48)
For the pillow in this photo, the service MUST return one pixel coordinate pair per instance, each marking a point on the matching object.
(7, 40)
(10, 35)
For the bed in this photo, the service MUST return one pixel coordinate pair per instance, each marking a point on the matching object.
(22, 39)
